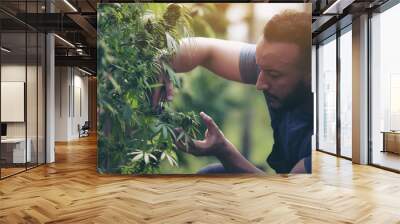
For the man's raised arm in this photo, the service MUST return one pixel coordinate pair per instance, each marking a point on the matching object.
(218, 56)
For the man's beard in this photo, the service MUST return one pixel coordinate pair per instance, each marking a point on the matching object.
(298, 96)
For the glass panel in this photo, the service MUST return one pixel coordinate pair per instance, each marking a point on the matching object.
(346, 94)
(13, 87)
(41, 99)
(31, 97)
(385, 89)
(32, 88)
(314, 90)
(23, 89)
(327, 96)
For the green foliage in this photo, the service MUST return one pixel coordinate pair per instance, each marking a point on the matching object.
(135, 43)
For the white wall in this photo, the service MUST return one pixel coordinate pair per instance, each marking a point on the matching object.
(71, 94)
(61, 103)
(16, 73)
(9, 73)
(80, 110)
(33, 126)
(12, 101)
(13, 72)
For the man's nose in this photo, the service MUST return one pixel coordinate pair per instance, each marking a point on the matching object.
(262, 83)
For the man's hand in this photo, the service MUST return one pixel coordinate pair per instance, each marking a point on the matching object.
(162, 93)
(214, 143)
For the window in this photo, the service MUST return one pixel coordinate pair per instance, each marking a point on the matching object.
(22, 77)
(327, 96)
(385, 88)
(346, 93)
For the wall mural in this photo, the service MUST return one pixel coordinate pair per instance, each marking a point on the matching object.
(204, 88)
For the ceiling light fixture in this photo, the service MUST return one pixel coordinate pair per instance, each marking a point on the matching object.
(337, 7)
(65, 41)
(70, 5)
(84, 71)
(5, 50)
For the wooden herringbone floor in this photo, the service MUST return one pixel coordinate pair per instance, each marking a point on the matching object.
(70, 191)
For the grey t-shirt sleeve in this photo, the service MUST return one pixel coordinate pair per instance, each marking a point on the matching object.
(247, 64)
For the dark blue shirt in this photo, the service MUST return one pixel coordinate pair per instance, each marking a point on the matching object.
(293, 127)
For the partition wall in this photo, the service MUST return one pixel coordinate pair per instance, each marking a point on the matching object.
(22, 77)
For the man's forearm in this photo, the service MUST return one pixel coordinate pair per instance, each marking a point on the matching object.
(192, 52)
(234, 162)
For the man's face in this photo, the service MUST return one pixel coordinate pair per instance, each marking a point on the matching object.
(281, 78)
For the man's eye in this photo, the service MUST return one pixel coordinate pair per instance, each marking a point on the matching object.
(272, 73)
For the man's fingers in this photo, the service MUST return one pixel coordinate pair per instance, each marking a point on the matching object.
(192, 146)
(211, 125)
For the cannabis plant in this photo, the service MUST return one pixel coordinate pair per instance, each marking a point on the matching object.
(135, 45)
